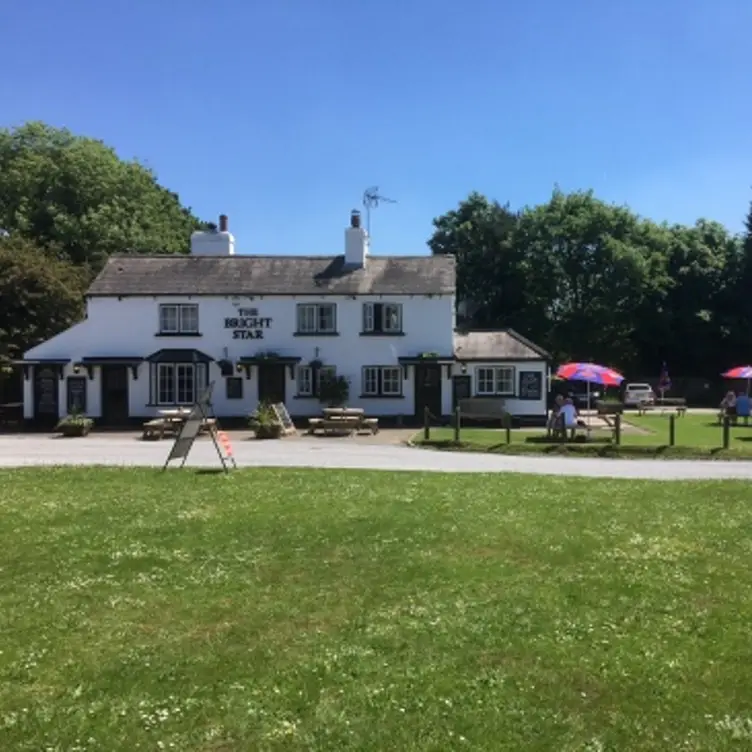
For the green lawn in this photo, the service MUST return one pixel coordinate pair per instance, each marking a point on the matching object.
(333, 610)
(697, 436)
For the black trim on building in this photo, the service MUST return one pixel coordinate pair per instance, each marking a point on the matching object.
(131, 361)
(179, 356)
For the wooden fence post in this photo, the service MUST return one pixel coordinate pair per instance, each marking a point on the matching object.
(672, 430)
(457, 420)
(426, 424)
(617, 429)
(726, 432)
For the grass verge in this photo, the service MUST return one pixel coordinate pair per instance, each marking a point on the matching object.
(332, 610)
(696, 437)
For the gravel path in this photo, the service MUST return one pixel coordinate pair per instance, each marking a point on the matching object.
(25, 450)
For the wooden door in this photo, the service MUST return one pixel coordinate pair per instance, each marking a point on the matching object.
(114, 395)
(271, 382)
(428, 389)
(46, 395)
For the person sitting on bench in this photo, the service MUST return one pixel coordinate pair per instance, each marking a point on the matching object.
(743, 406)
(728, 408)
(554, 414)
(568, 417)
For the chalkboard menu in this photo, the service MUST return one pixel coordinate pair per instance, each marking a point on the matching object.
(531, 385)
(76, 394)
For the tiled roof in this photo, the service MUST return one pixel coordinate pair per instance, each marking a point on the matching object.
(497, 344)
(273, 275)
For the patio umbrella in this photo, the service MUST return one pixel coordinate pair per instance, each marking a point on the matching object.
(590, 373)
(740, 372)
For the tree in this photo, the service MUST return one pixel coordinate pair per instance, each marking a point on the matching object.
(75, 193)
(40, 295)
(703, 265)
(479, 234)
(589, 270)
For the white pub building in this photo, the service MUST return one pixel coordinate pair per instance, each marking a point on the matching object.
(158, 328)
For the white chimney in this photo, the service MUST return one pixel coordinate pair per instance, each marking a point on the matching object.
(214, 242)
(356, 242)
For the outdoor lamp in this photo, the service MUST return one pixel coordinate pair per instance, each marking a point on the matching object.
(239, 367)
(464, 367)
(76, 368)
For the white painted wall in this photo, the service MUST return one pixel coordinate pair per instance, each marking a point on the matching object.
(514, 405)
(128, 327)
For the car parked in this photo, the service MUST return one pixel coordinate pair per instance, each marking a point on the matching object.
(580, 396)
(637, 394)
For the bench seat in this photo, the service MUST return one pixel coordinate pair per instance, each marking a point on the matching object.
(154, 429)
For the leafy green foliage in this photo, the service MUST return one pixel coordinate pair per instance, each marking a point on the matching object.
(590, 280)
(66, 203)
(75, 193)
(334, 390)
(40, 295)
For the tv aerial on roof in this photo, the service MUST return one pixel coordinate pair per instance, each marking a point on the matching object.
(371, 199)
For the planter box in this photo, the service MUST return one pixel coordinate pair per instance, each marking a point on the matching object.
(73, 431)
(268, 432)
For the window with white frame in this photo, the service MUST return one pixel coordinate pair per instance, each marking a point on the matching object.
(382, 318)
(494, 381)
(178, 318)
(317, 318)
(310, 379)
(178, 383)
(382, 381)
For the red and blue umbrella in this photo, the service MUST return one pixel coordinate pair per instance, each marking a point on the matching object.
(740, 372)
(590, 373)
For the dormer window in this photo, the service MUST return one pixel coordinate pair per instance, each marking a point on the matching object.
(382, 318)
(178, 319)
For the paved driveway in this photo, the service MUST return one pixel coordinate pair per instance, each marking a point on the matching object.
(24, 450)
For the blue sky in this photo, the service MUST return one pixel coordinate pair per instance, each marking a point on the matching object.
(281, 113)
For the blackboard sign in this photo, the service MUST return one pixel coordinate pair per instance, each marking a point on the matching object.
(188, 433)
(531, 385)
(76, 394)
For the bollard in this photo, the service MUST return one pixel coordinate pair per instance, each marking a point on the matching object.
(426, 424)
(457, 419)
(672, 430)
(617, 429)
(726, 432)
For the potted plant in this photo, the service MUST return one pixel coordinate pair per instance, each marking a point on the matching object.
(264, 422)
(75, 424)
(334, 391)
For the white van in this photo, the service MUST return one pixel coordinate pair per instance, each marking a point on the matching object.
(636, 394)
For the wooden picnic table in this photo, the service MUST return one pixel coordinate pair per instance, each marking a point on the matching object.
(343, 420)
(343, 412)
(676, 405)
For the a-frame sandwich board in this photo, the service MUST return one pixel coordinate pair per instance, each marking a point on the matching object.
(200, 415)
